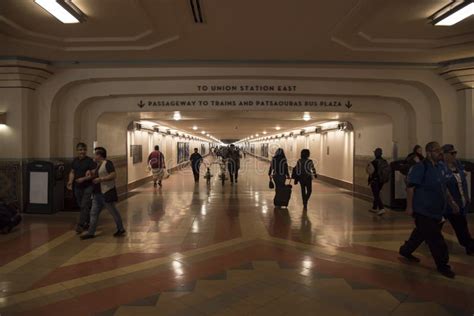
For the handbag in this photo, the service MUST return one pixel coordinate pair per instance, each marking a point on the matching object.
(271, 185)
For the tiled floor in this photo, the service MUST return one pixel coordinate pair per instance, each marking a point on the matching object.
(214, 250)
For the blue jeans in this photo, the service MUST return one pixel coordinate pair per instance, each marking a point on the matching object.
(98, 203)
(83, 199)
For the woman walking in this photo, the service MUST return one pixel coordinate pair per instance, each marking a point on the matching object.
(304, 172)
(279, 173)
(105, 194)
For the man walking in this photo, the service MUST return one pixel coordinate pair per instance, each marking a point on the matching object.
(379, 174)
(196, 160)
(80, 182)
(427, 197)
(458, 188)
(233, 163)
(156, 161)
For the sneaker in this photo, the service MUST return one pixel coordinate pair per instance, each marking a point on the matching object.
(409, 257)
(154, 184)
(381, 212)
(119, 233)
(372, 210)
(447, 272)
(87, 236)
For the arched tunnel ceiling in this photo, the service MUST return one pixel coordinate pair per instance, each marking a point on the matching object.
(237, 31)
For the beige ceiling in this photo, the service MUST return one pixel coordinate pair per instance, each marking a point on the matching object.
(237, 31)
(242, 124)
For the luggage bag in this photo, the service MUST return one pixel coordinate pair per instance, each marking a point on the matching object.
(282, 196)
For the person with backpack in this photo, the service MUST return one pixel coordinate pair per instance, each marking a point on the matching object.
(379, 174)
(427, 198)
(412, 159)
(278, 172)
(196, 160)
(303, 173)
(458, 188)
(105, 194)
(156, 161)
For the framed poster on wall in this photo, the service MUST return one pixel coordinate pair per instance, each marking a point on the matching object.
(183, 152)
(137, 153)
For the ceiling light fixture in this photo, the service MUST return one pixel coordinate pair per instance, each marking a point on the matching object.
(278, 128)
(451, 15)
(203, 132)
(195, 127)
(306, 116)
(176, 116)
(63, 10)
(264, 133)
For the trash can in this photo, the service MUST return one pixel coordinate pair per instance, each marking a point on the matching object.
(45, 187)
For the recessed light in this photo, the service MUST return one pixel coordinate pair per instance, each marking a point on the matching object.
(176, 116)
(306, 116)
(195, 127)
(278, 128)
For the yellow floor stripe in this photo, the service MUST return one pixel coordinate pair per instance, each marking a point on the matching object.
(43, 249)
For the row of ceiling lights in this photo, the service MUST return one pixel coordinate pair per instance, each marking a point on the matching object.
(177, 116)
(306, 117)
(453, 13)
(320, 127)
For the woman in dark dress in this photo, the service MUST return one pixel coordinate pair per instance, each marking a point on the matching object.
(279, 169)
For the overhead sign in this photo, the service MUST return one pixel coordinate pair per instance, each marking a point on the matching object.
(245, 102)
(246, 88)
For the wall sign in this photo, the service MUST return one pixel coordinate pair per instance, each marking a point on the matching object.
(254, 102)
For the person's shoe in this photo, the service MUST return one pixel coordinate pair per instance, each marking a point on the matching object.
(381, 212)
(409, 257)
(159, 183)
(79, 229)
(119, 233)
(372, 210)
(154, 184)
(87, 236)
(447, 272)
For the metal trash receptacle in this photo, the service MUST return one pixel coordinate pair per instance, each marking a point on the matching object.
(45, 187)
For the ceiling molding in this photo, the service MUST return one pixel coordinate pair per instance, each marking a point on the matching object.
(349, 34)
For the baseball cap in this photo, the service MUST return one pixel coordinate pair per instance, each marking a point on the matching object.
(448, 148)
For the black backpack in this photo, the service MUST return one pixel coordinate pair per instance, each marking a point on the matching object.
(383, 170)
(9, 217)
(407, 164)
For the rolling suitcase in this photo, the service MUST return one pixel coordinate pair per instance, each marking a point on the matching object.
(282, 196)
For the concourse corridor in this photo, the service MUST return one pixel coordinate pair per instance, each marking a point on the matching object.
(197, 249)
